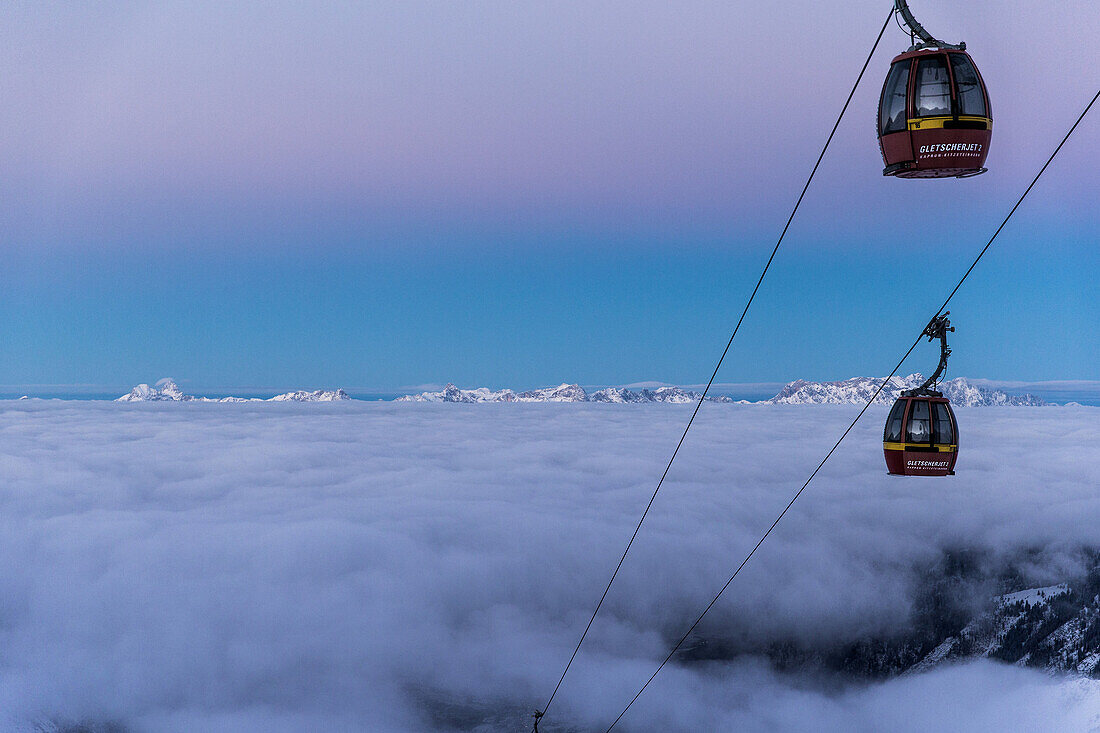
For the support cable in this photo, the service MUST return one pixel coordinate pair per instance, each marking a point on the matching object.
(539, 714)
(853, 423)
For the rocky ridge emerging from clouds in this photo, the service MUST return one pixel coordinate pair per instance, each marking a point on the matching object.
(1054, 628)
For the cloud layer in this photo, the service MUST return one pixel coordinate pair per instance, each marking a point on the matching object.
(396, 567)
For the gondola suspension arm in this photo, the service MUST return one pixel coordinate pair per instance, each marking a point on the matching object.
(916, 30)
(937, 328)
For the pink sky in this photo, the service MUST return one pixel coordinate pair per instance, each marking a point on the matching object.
(703, 112)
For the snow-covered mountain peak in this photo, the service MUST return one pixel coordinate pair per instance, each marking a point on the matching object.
(169, 390)
(165, 390)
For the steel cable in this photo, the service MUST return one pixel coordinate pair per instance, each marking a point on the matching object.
(710, 382)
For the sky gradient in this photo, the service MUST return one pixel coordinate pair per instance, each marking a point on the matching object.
(513, 194)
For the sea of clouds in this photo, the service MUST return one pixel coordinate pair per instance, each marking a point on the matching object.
(407, 567)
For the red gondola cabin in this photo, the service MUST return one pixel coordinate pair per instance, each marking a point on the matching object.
(921, 436)
(934, 116)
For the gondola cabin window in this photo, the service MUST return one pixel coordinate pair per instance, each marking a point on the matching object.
(933, 97)
(892, 108)
(919, 428)
(969, 86)
(945, 431)
(893, 423)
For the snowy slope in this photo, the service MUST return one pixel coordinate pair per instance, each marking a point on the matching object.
(1055, 628)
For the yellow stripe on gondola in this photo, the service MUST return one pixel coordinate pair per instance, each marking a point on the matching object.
(937, 123)
(943, 448)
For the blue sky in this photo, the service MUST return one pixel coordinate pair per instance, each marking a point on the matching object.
(507, 194)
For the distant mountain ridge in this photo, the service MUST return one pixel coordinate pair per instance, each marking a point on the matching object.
(562, 393)
(858, 390)
(854, 391)
(166, 390)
